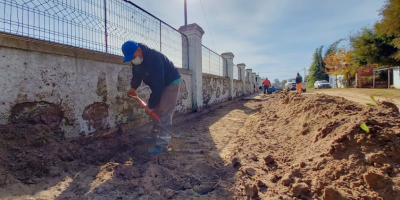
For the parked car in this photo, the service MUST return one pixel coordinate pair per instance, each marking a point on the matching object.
(291, 85)
(322, 84)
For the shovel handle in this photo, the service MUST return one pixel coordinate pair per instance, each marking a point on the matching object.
(145, 106)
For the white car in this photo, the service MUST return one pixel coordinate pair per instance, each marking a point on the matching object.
(321, 84)
(291, 85)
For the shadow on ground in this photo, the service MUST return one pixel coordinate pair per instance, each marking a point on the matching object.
(117, 166)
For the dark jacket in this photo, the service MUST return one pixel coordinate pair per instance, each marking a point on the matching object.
(299, 79)
(156, 71)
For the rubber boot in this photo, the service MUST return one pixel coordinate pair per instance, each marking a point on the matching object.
(157, 149)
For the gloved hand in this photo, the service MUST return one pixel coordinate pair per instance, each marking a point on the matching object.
(148, 110)
(132, 92)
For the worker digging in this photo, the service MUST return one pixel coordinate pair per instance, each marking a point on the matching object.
(163, 78)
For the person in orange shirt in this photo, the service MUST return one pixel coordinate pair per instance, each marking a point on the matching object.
(266, 84)
(299, 81)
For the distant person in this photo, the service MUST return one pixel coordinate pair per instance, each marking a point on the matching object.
(266, 83)
(299, 81)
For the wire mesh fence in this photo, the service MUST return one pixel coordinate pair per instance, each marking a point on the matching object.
(75, 23)
(99, 25)
(212, 63)
(235, 72)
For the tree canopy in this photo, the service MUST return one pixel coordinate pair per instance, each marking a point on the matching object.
(317, 68)
(340, 62)
(372, 48)
(390, 25)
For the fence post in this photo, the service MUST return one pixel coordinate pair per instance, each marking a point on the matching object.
(259, 81)
(248, 78)
(195, 33)
(228, 67)
(105, 24)
(254, 85)
(256, 79)
(242, 76)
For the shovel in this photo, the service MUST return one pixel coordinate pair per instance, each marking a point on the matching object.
(166, 127)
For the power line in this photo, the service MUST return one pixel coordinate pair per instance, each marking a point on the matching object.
(212, 39)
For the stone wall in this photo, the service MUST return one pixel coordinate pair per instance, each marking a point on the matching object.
(215, 89)
(79, 91)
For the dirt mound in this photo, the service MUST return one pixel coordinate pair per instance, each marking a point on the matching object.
(30, 152)
(312, 147)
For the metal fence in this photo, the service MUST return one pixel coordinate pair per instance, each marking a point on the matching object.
(99, 25)
(212, 63)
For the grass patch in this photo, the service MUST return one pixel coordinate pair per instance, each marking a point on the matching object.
(389, 93)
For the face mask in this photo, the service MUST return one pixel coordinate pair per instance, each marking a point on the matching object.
(137, 61)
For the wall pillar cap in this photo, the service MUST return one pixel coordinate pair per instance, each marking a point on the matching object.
(228, 55)
(241, 65)
(192, 29)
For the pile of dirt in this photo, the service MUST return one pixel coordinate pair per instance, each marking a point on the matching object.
(34, 158)
(312, 147)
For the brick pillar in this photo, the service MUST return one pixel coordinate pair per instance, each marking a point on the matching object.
(195, 33)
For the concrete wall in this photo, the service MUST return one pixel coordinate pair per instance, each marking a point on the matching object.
(237, 88)
(215, 89)
(76, 90)
(396, 78)
(184, 103)
(247, 88)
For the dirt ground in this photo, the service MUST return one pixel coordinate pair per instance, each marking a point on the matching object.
(38, 165)
(282, 146)
(362, 95)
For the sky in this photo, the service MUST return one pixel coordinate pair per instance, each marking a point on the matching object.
(275, 38)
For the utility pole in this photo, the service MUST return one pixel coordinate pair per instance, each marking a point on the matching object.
(185, 14)
(305, 73)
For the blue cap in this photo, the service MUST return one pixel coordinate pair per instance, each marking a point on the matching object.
(128, 49)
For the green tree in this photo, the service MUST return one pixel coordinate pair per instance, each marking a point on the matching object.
(283, 83)
(276, 83)
(390, 25)
(317, 68)
(369, 47)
